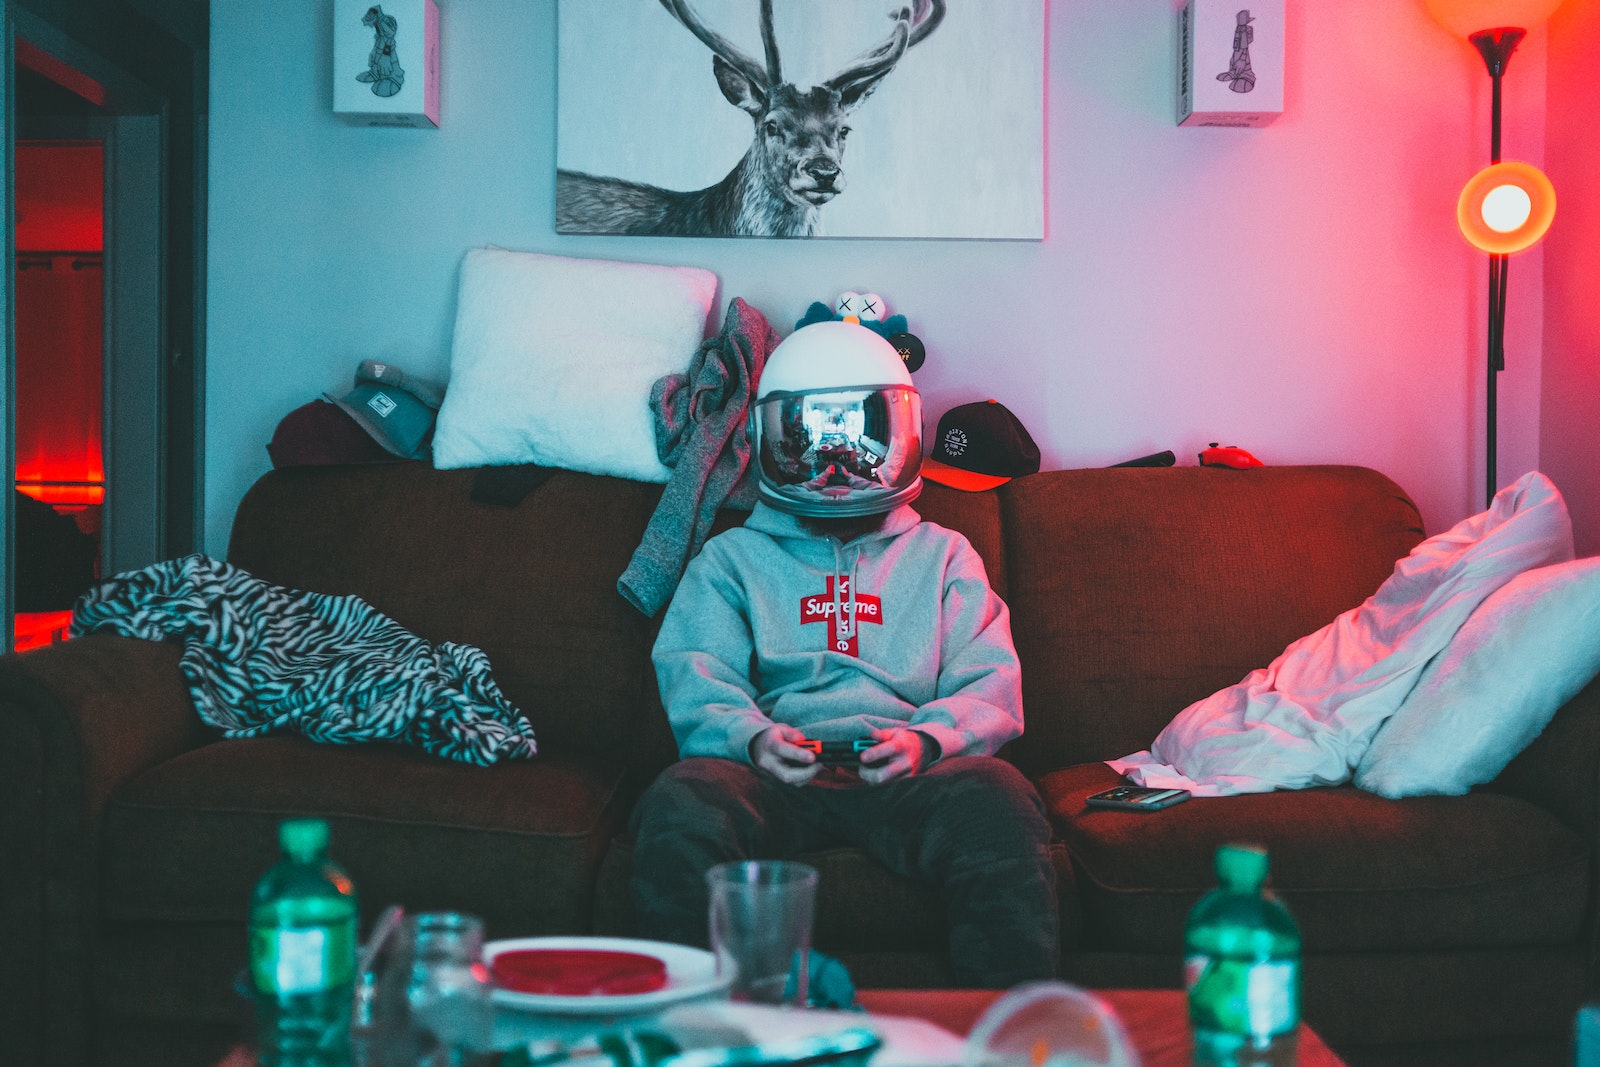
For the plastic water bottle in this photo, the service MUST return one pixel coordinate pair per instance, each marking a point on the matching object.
(1242, 964)
(1588, 1035)
(303, 953)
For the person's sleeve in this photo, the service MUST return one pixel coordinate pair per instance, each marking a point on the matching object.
(702, 658)
(979, 703)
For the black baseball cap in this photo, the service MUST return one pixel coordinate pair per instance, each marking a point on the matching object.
(979, 446)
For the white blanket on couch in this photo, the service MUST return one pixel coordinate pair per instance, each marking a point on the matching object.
(1307, 718)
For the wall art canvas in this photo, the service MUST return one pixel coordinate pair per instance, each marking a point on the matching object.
(1230, 62)
(805, 118)
(386, 62)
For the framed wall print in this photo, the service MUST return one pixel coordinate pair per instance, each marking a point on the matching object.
(386, 62)
(836, 118)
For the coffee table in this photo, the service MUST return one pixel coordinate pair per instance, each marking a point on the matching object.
(1156, 1020)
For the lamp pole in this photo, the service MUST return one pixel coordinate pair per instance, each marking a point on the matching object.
(1496, 47)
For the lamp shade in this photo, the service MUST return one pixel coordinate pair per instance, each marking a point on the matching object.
(1466, 17)
(1506, 207)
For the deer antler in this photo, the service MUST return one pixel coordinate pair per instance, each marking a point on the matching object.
(912, 23)
(725, 49)
(769, 41)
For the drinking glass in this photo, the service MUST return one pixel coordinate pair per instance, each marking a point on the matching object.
(761, 913)
(434, 992)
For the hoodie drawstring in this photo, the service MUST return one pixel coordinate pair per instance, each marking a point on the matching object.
(847, 622)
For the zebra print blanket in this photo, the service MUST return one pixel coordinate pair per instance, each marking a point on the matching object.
(258, 657)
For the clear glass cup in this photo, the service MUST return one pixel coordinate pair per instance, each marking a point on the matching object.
(761, 914)
(432, 1000)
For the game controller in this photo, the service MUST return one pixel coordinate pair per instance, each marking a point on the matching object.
(837, 753)
(1228, 456)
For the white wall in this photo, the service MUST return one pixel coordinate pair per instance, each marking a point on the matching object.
(1300, 290)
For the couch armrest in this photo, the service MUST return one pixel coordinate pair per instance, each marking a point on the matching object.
(1560, 772)
(77, 720)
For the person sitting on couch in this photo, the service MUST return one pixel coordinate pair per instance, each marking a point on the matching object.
(835, 613)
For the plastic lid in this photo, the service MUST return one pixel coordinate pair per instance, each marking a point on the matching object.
(1242, 866)
(1048, 1024)
(303, 837)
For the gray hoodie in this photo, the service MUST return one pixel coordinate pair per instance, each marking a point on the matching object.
(760, 631)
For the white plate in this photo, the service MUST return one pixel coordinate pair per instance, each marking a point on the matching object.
(691, 974)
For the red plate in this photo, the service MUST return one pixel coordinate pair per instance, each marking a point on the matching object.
(578, 972)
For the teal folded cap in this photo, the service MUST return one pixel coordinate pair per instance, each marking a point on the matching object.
(396, 409)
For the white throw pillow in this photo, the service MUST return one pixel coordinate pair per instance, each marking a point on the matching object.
(1522, 654)
(1308, 717)
(553, 359)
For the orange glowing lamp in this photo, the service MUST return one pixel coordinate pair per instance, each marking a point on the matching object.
(1506, 208)
(1467, 17)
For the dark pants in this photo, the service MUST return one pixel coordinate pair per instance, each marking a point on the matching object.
(971, 825)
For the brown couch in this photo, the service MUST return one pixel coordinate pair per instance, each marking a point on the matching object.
(1437, 930)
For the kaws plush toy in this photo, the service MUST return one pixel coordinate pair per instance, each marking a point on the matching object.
(869, 310)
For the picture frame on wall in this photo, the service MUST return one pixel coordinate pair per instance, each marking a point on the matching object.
(836, 118)
(386, 63)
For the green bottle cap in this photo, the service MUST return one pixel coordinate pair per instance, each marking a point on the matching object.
(303, 837)
(1242, 866)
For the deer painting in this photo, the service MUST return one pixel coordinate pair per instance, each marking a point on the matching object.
(795, 161)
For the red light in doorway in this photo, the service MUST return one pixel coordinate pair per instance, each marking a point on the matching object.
(43, 63)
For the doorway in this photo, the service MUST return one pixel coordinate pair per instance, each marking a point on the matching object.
(88, 430)
(59, 488)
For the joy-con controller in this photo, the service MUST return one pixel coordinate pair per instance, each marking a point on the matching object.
(838, 753)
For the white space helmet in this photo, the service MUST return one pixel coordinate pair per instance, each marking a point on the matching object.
(837, 424)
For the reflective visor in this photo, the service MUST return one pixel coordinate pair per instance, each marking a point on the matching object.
(842, 452)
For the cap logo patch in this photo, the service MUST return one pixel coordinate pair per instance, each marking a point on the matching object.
(381, 403)
(955, 441)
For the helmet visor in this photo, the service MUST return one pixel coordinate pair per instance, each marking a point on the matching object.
(842, 452)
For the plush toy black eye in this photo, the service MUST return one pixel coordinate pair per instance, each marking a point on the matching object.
(910, 348)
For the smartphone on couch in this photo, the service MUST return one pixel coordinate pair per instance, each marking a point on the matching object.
(1137, 798)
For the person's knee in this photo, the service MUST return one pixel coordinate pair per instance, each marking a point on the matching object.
(700, 805)
(991, 770)
(991, 790)
(692, 785)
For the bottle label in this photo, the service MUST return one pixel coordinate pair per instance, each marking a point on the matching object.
(1248, 998)
(302, 959)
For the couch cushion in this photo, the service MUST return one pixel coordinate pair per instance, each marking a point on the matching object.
(516, 843)
(1358, 872)
(1136, 591)
(976, 516)
(534, 585)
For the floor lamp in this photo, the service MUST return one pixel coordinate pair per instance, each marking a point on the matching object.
(1508, 206)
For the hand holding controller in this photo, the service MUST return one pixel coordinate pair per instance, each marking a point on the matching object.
(779, 751)
(837, 753)
(898, 752)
